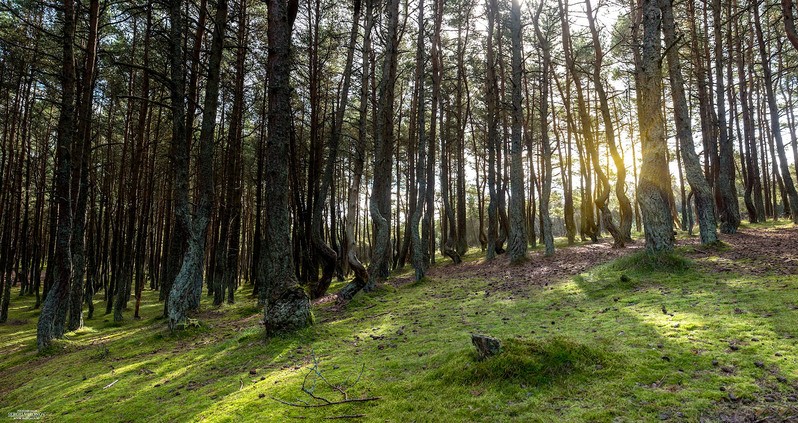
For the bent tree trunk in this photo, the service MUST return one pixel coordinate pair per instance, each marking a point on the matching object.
(692, 164)
(625, 224)
(287, 307)
(327, 254)
(359, 158)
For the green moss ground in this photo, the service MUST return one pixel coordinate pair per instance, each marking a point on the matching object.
(630, 340)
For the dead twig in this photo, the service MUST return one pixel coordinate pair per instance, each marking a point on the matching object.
(293, 404)
(310, 383)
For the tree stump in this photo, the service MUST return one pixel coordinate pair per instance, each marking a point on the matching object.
(486, 346)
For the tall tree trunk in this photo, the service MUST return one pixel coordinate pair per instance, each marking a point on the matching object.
(655, 181)
(588, 226)
(753, 187)
(80, 171)
(516, 246)
(545, 192)
(625, 224)
(179, 153)
(692, 164)
(359, 158)
(380, 201)
(286, 305)
(187, 288)
(231, 249)
(462, 120)
(491, 98)
(726, 192)
(419, 264)
(775, 127)
(53, 314)
(327, 254)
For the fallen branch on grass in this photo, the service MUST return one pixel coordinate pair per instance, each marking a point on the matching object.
(325, 404)
(311, 382)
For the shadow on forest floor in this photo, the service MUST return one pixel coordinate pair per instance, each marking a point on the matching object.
(711, 338)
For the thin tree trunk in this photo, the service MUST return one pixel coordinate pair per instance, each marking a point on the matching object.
(545, 193)
(775, 127)
(726, 193)
(692, 164)
(359, 158)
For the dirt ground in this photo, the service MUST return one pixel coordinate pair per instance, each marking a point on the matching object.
(753, 252)
(749, 251)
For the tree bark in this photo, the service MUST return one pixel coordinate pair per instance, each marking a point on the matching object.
(775, 127)
(692, 164)
(287, 307)
(726, 192)
(516, 245)
(380, 201)
(187, 287)
(625, 224)
(654, 182)
(53, 314)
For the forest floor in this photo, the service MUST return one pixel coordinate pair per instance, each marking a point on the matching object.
(591, 334)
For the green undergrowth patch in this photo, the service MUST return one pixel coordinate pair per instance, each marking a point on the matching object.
(640, 338)
(528, 361)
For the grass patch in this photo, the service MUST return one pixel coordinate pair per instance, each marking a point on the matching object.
(629, 340)
(532, 362)
(645, 262)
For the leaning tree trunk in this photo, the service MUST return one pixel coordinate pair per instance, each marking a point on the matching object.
(655, 181)
(695, 176)
(287, 307)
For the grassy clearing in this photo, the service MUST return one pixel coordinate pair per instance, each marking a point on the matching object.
(636, 339)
